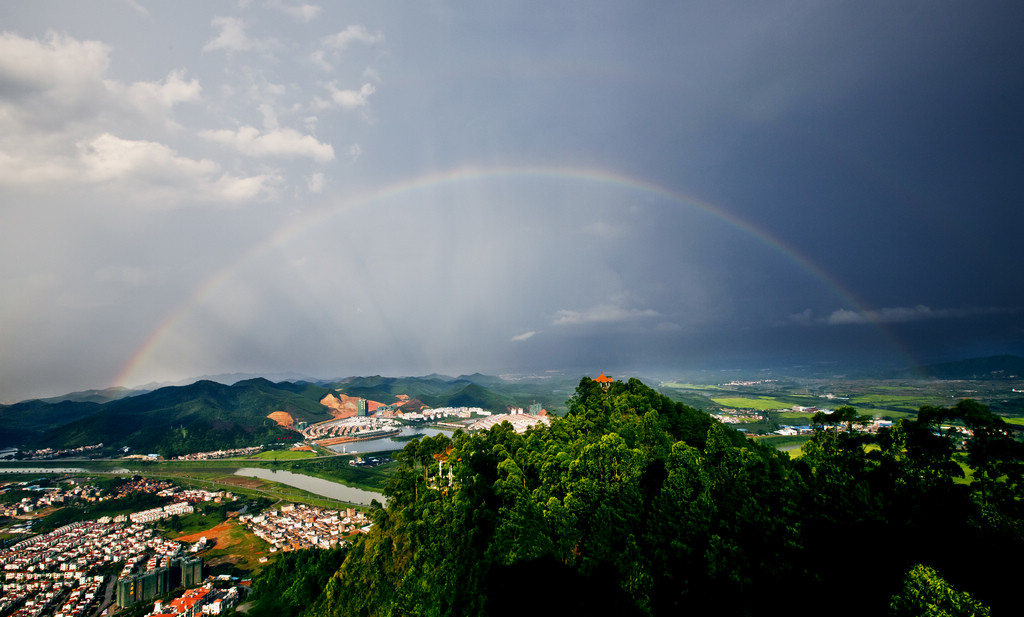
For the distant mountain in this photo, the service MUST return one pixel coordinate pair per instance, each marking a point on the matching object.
(96, 396)
(26, 421)
(993, 367)
(230, 379)
(207, 415)
(385, 389)
(463, 394)
(483, 380)
(476, 390)
(233, 378)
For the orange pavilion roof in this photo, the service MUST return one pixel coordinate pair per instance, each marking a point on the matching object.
(603, 379)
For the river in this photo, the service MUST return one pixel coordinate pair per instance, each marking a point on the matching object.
(317, 486)
(395, 442)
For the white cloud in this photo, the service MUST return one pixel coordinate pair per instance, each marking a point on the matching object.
(351, 99)
(287, 143)
(233, 37)
(316, 182)
(304, 13)
(111, 158)
(141, 10)
(886, 315)
(804, 317)
(150, 98)
(355, 151)
(65, 123)
(234, 189)
(124, 164)
(60, 81)
(605, 313)
(898, 314)
(333, 46)
(60, 69)
(524, 336)
(353, 34)
(319, 58)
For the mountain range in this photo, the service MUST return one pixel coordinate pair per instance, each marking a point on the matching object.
(207, 415)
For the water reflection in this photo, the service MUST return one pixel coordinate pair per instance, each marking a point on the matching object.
(317, 486)
(395, 442)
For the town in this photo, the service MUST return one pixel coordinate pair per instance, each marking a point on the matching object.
(299, 526)
(112, 563)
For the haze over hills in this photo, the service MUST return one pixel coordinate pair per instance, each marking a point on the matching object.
(993, 367)
(202, 415)
(206, 414)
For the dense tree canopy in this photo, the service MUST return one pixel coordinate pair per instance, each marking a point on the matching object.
(639, 505)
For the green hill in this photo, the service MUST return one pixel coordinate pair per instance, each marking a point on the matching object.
(384, 389)
(207, 415)
(633, 504)
(178, 419)
(27, 421)
(463, 394)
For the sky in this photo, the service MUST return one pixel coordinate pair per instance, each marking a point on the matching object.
(402, 188)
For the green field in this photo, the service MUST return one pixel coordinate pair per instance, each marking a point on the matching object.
(794, 417)
(760, 403)
(236, 551)
(786, 443)
(895, 402)
(337, 469)
(688, 386)
(284, 455)
(887, 413)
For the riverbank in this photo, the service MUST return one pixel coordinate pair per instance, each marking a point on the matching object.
(221, 475)
(333, 441)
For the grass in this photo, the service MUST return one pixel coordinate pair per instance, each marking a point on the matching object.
(221, 477)
(338, 470)
(794, 417)
(890, 413)
(688, 386)
(198, 521)
(786, 443)
(284, 455)
(891, 402)
(218, 475)
(760, 403)
(236, 552)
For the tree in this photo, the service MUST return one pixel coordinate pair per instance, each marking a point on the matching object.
(994, 455)
(926, 594)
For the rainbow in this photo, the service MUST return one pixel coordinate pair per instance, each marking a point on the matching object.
(594, 176)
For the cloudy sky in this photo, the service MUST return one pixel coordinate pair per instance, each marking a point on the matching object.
(195, 188)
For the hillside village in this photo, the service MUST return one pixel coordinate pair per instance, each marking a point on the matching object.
(83, 567)
(300, 526)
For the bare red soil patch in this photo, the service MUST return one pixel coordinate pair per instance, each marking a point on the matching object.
(220, 534)
(283, 418)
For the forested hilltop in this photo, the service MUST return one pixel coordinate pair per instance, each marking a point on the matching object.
(638, 505)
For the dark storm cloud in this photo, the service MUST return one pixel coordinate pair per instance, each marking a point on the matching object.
(197, 189)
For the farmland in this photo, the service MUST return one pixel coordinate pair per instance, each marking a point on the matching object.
(793, 400)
